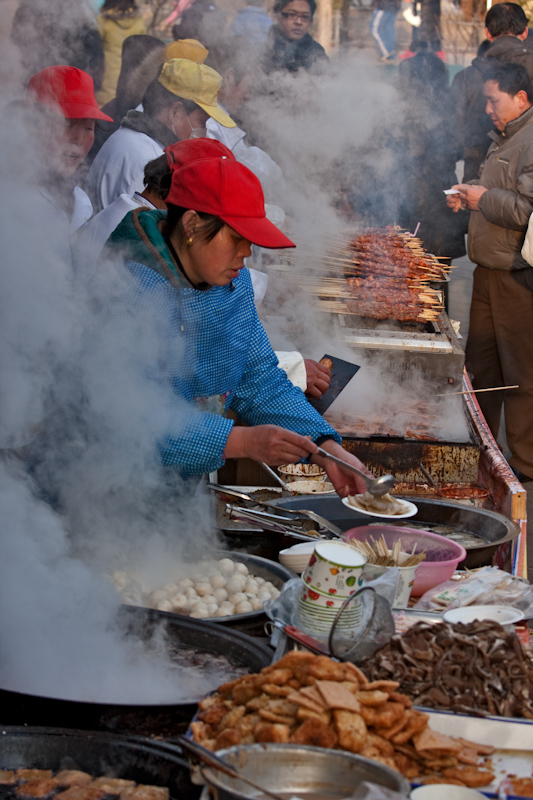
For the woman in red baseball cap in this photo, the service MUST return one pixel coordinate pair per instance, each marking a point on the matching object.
(187, 266)
(62, 98)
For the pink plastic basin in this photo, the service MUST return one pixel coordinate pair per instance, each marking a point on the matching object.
(443, 554)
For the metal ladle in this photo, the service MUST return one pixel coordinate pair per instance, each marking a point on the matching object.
(376, 486)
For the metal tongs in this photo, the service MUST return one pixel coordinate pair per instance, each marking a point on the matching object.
(287, 522)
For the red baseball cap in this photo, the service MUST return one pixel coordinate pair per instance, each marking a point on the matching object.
(229, 190)
(181, 153)
(67, 91)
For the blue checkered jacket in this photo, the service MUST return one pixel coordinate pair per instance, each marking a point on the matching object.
(216, 354)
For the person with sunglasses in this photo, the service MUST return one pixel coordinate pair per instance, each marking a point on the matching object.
(290, 47)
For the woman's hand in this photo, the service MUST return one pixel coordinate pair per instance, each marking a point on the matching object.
(318, 378)
(345, 481)
(269, 443)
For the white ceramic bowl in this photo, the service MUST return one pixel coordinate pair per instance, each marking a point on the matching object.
(297, 557)
(445, 791)
(505, 615)
(302, 472)
(311, 487)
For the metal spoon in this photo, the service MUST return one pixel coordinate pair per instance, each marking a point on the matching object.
(276, 477)
(376, 486)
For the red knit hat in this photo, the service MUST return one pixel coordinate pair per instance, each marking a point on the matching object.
(181, 153)
(229, 190)
(67, 91)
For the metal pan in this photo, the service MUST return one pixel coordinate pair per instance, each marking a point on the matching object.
(99, 754)
(492, 529)
(166, 720)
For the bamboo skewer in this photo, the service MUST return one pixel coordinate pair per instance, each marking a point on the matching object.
(379, 554)
(477, 391)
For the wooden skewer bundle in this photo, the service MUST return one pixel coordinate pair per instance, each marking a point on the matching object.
(379, 554)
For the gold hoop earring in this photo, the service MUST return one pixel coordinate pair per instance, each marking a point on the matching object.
(190, 240)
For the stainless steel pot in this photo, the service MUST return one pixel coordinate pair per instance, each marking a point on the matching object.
(292, 769)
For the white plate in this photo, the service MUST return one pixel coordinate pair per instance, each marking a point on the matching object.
(512, 739)
(505, 615)
(410, 511)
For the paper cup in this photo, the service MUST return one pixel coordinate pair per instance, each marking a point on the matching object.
(334, 569)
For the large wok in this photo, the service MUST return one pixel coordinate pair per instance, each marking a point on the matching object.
(494, 529)
(18, 708)
(99, 754)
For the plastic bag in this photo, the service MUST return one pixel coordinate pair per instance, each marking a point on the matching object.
(285, 607)
(488, 586)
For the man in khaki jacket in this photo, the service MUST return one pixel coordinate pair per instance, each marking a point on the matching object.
(499, 349)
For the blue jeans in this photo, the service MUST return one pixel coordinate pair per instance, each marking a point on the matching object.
(382, 29)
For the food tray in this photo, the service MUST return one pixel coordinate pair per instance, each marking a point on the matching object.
(512, 738)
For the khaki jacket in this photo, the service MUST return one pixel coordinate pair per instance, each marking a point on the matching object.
(496, 232)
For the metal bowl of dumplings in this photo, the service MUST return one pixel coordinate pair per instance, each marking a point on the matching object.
(251, 622)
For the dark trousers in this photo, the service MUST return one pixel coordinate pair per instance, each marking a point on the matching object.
(499, 352)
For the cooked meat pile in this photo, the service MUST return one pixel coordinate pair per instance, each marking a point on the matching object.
(479, 666)
(73, 784)
(392, 276)
(313, 700)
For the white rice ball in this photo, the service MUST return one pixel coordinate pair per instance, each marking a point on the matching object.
(179, 602)
(235, 584)
(199, 611)
(158, 596)
(185, 583)
(217, 581)
(208, 599)
(243, 607)
(200, 577)
(237, 597)
(257, 604)
(212, 608)
(222, 612)
(226, 566)
(170, 588)
(251, 586)
(164, 605)
(242, 568)
(203, 587)
(263, 595)
(220, 595)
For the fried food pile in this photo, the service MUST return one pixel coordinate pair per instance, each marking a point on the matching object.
(479, 666)
(392, 275)
(73, 784)
(312, 700)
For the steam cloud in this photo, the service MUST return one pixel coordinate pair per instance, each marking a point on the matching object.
(72, 366)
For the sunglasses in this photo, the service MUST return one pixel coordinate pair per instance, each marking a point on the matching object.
(293, 15)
